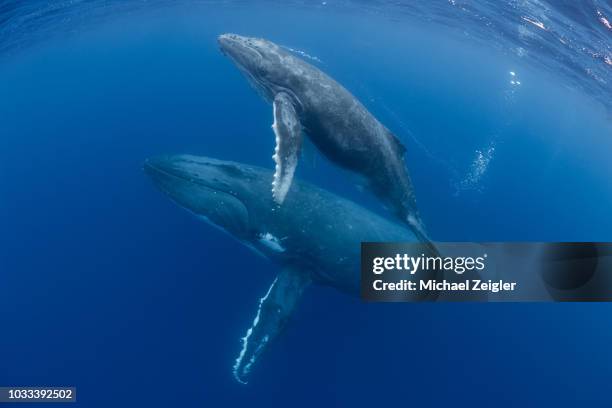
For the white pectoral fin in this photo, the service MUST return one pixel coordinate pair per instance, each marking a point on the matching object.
(288, 132)
(274, 311)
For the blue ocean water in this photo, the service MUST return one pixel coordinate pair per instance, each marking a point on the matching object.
(505, 109)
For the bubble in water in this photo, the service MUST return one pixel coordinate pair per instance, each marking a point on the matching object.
(478, 168)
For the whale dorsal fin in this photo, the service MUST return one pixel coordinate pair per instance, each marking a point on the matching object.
(274, 311)
(397, 144)
(288, 132)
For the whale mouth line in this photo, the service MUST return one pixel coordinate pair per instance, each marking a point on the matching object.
(152, 168)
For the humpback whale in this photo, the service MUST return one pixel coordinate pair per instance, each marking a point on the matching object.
(314, 237)
(306, 100)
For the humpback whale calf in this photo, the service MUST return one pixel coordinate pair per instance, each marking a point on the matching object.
(315, 237)
(306, 100)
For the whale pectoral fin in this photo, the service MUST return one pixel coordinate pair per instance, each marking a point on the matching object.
(288, 132)
(274, 311)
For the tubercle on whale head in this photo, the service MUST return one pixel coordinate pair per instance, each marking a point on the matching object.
(258, 59)
(246, 52)
(228, 40)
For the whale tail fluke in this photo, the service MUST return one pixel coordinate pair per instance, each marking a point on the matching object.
(274, 311)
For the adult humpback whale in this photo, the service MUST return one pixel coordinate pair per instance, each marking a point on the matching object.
(315, 236)
(306, 99)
